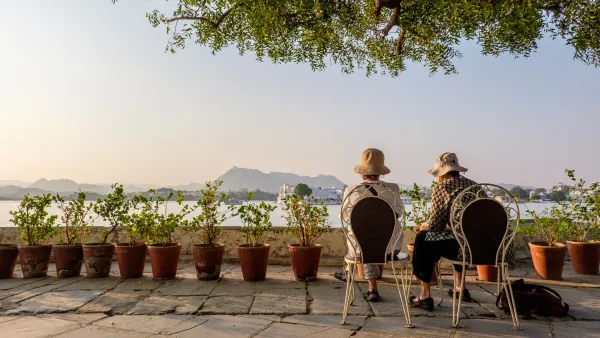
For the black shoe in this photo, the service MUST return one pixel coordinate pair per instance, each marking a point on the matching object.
(466, 296)
(425, 304)
(373, 296)
(340, 276)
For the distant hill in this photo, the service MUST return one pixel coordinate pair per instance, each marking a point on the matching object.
(4, 183)
(508, 186)
(253, 179)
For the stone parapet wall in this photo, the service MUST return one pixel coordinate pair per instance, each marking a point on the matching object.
(333, 243)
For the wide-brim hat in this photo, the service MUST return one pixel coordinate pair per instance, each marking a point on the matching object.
(372, 162)
(446, 163)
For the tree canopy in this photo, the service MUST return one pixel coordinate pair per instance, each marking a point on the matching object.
(303, 190)
(381, 36)
(557, 196)
(519, 192)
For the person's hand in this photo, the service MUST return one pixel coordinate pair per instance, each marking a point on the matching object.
(422, 226)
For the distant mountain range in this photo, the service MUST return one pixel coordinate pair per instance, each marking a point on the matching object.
(253, 179)
(234, 179)
(508, 186)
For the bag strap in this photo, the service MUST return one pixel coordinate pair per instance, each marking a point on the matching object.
(551, 291)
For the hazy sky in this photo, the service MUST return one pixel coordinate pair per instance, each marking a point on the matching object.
(87, 93)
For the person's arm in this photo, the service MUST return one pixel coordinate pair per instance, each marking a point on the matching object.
(440, 210)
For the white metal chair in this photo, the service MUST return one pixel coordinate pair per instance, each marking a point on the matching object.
(484, 222)
(369, 223)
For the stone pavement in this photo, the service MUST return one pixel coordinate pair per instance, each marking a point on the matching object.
(276, 307)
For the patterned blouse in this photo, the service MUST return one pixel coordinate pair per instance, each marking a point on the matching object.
(442, 197)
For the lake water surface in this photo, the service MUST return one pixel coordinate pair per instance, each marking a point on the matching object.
(276, 217)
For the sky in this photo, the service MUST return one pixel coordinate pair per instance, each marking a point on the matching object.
(88, 93)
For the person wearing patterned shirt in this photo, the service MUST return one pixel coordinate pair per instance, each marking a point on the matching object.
(435, 238)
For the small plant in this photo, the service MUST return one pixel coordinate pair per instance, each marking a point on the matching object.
(208, 222)
(306, 222)
(585, 210)
(550, 226)
(76, 217)
(113, 209)
(256, 220)
(32, 219)
(420, 207)
(163, 223)
(142, 221)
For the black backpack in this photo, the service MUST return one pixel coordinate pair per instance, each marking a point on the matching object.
(532, 299)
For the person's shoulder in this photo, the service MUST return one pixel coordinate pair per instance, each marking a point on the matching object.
(392, 186)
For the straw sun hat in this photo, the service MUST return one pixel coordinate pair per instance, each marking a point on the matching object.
(446, 163)
(372, 163)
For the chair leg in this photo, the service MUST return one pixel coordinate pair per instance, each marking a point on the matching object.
(511, 298)
(455, 306)
(499, 279)
(402, 291)
(440, 282)
(349, 291)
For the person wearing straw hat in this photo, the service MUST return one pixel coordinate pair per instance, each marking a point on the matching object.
(435, 238)
(371, 168)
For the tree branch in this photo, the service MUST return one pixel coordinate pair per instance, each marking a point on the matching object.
(400, 42)
(214, 24)
(393, 22)
(385, 4)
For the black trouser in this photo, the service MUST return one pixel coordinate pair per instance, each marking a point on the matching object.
(426, 254)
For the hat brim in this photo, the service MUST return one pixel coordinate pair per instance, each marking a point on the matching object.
(444, 170)
(370, 170)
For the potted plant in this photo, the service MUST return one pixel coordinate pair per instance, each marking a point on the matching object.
(76, 219)
(583, 238)
(547, 253)
(208, 256)
(8, 259)
(36, 227)
(254, 255)
(114, 210)
(307, 223)
(164, 249)
(131, 255)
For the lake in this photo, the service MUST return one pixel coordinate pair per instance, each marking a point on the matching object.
(277, 216)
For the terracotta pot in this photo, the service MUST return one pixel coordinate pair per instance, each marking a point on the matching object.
(34, 260)
(132, 259)
(69, 259)
(8, 259)
(585, 257)
(436, 271)
(254, 261)
(548, 261)
(208, 260)
(164, 260)
(361, 271)
(305, 261)
(487, 273)
(98, 259)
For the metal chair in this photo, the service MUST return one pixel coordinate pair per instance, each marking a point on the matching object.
(369, 223)
(484, 222)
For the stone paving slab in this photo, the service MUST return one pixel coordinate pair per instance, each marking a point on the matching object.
(100, 332)
(279, 330)
(496, 328)
(424, 327)
(234, 288)
(145, 283)
(51, 302)
(227, 305)
(114, 302)
(327, 298)
(352, 322)
(160, 305)
(187, 285)
(36, 327)
(142, 324)
(226, 327)
(280, 301)
(103, 284)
